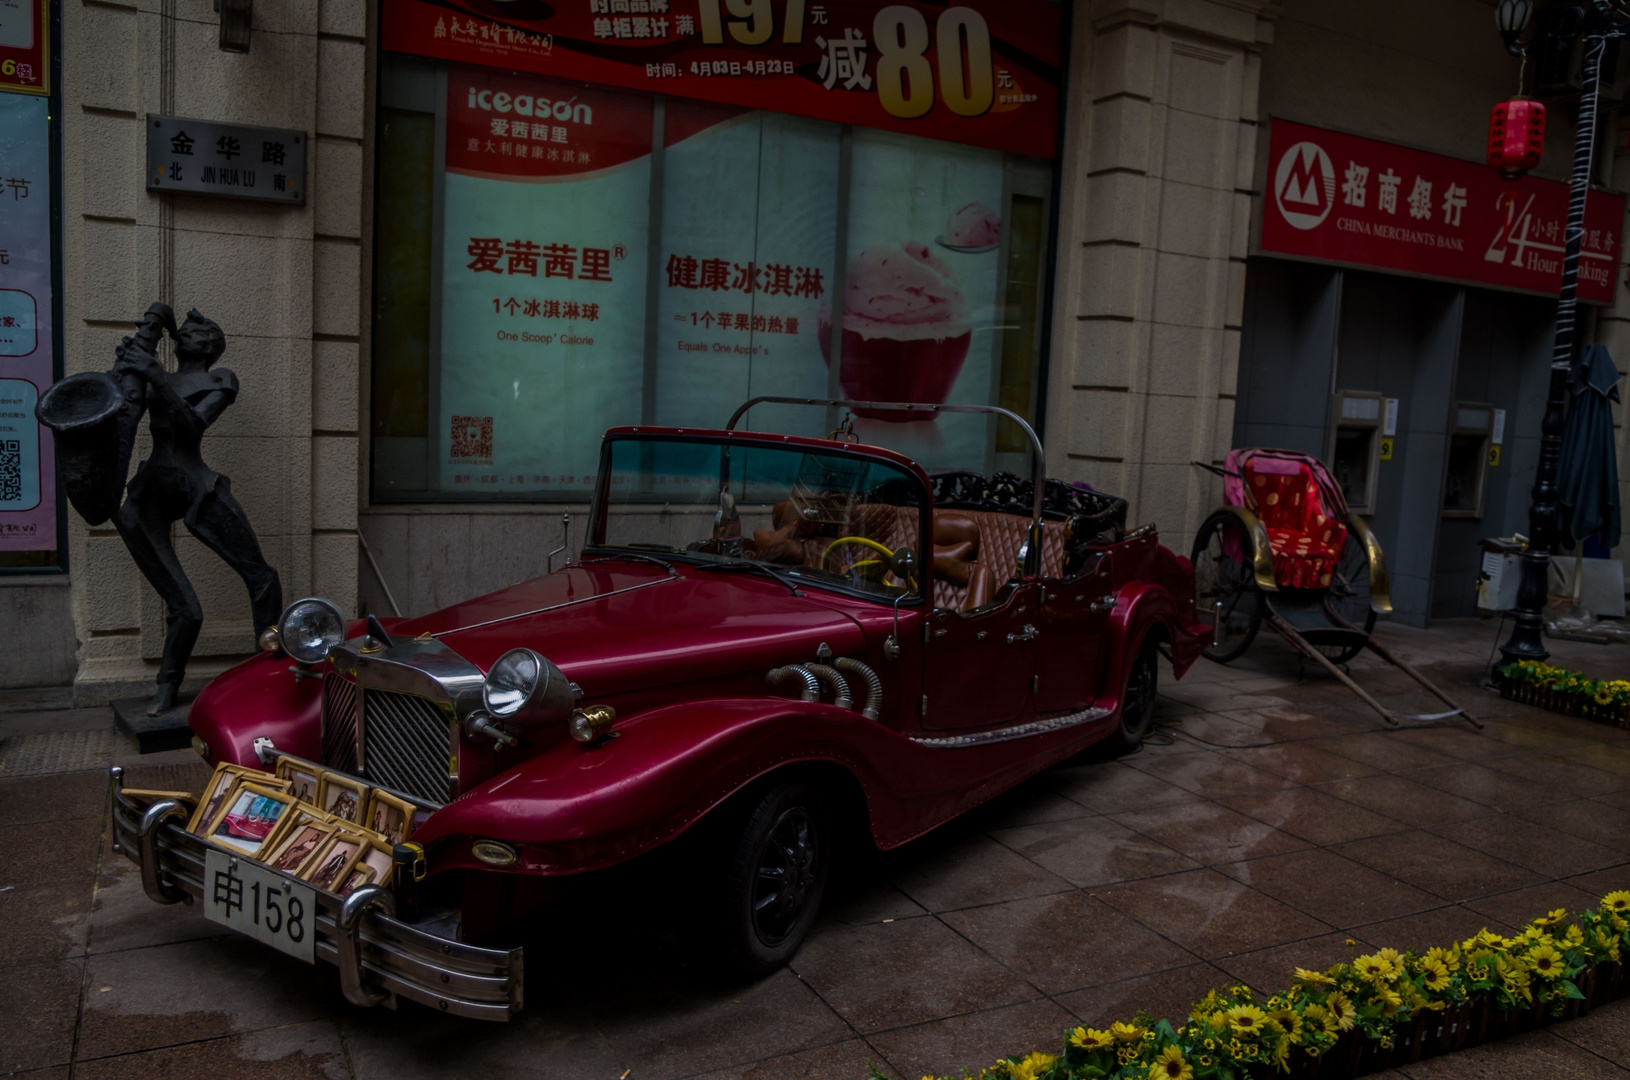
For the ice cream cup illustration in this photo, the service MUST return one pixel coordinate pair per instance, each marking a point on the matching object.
(904, 336)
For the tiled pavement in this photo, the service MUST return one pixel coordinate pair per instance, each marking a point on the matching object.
(1269, 821)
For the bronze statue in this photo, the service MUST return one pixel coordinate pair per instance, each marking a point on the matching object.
(95, 417)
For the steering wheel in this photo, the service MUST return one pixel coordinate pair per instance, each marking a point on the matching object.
(869, 568)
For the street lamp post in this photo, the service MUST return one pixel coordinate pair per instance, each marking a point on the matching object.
(1598, 21)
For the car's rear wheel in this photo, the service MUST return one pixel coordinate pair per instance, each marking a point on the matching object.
(1137, 700)
(775, 873)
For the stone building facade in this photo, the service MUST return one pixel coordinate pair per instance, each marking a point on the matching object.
(1159, 197)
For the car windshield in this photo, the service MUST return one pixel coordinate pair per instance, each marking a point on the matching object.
(832, 518)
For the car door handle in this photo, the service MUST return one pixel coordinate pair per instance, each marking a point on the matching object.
(1030, 633)
(1106, 603)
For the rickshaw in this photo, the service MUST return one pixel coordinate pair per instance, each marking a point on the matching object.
(1286, 550)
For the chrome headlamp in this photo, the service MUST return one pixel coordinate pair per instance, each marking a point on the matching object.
(525, 690)
(309, 628)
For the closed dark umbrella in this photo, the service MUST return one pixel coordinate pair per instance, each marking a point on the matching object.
(1588, 479)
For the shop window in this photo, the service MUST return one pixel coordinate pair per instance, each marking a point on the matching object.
(554, 259)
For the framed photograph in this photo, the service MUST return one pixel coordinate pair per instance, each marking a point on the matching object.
(345, 797)
(378, 858)
(297, 845)
(250, 817)
(220, 785)
(334, 860)
(390, 817)
(359, 876)
(304, 780)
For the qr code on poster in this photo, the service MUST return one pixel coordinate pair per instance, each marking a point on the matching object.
(472, 437)
(11, 471)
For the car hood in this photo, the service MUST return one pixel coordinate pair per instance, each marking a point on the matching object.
(613, 627)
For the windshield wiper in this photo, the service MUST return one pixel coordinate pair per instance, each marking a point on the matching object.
(641, 556)
(745, 564)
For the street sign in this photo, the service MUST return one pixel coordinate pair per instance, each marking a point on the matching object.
(204, 158)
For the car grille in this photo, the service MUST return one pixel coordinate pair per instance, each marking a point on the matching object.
(407, 743)
(339, 723)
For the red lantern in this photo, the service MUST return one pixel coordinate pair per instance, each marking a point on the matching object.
(1516, 136)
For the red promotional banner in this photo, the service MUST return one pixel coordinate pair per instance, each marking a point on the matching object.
(1345, 199)
(25, 53)
(983, 73)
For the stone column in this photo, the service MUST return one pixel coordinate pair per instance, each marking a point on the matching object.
(1159, 161)
(284, 283)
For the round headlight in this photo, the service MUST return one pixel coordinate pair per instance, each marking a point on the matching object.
(494, 852)
(309, 628)
(512, 681)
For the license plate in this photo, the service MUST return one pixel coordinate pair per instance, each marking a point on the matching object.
(262, 903)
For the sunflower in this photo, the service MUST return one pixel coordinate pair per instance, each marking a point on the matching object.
(1246, 1019)
(1314, 978)
(1318, 1014)
(1032, 1066)
(1617, 901)
(1170, 1065)
(1375, 968)
(1124, 1032)
(1436, 974)
(1545, 962)
(1343, 1010)
(1389, 1000)
(1451, 957)
(1289, 1022)
(1084, 1038)
(1552, 918)
(1393, 957)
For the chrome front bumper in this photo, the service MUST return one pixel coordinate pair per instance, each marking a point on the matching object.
(379, 957)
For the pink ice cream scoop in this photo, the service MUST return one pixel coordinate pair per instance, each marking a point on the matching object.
(974, 225)
(904, 338)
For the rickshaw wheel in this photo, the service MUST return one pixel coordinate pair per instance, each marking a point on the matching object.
(1225, 586)
(1348, 601)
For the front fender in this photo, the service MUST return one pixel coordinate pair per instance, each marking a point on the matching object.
(576, 808)
(259, 697)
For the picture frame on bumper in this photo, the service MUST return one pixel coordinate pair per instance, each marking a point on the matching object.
(304, 780)
(343, 797)
(225, 778)
(250, 817)
(332, 864)
(292, 849)
(390, 817)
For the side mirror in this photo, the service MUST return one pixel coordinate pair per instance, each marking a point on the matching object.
(904, 564)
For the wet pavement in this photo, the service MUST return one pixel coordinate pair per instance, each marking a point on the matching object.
(1270, 819)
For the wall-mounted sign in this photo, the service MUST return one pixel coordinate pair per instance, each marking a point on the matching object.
(1361, 202)
(204, 158)
(984, 72)
(25, 28)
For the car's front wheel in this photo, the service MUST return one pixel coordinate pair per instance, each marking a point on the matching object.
(775, 872)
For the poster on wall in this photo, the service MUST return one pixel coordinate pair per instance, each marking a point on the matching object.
(984, 72)
(28, 499)
(25, 27)
(1362, 202)
(543, 279)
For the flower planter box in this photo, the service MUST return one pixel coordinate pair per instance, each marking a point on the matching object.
(1580, 705)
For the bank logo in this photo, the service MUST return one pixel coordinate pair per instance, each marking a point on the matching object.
(1305, 185)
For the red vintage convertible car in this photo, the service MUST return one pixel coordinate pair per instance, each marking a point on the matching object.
(762, 632)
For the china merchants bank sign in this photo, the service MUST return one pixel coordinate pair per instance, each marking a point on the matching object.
(1361, 202)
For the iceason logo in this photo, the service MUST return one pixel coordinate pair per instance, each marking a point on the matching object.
(1305, 185)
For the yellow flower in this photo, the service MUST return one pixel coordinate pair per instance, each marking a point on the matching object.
(1089, 1039)
(1246, 1019)
(1288, 1022)
(1318, 1014)
(1032, 1066)
(1616, 901)
(1552, 918)
(1125, 1032)
(1393, 957)
(1545, 962)
(1436, 974)
(1171, 1066)
(1344, 1011)
(1315, 978)
(1574, 937)
(1375, 968)
(1389, 1000)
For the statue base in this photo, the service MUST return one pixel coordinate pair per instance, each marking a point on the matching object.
(152, 734)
